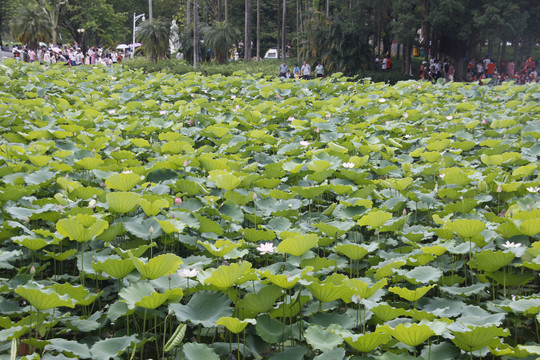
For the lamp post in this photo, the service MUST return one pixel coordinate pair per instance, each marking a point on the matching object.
(81, 33)
(135, 18)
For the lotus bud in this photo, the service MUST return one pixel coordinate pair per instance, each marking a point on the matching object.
(404, 211)
(528, 207)
(27, 219)
(317, 130)
(178, 201)
(499, 188)
(92, 204)
(186, 163)
(32, 270)
(151, 229)
(254, 196)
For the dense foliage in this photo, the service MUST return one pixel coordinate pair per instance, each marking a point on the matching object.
(149, 214)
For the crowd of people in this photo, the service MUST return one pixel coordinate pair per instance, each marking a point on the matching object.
(70, 56)
(477, 70)
(303, 72)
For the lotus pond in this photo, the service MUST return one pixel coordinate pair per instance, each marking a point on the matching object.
(153, 216)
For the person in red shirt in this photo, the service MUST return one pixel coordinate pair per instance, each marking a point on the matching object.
(388, 62)
(490, 70)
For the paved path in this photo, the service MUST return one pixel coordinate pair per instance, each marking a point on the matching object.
(4, 55)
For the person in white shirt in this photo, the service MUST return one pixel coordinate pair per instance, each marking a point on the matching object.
(79, 57)
(47, 57)
(306, 71)
(384, 62)
(114, 57)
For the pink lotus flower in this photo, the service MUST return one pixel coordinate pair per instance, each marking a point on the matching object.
(112, 112)
(186, 163)
(484, 121)
(266, 248)
(178, 201)
(190, 122)
(499, 188)
(254, 196)
(304, 143)
(405, 115)
(162, 112)
(151, 230)
(291, 118)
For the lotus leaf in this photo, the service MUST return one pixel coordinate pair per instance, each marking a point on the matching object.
(411, 295)
(226, 276)
(176, 338)
(375, 219)
(122, 202)
(117, 268)
(235, 325)
(367, 342)
(297, 244)
(322, 339)
(194, 351)
(474, 338)
(82, 228)
(159, 266)
(467, 228)
(125, 181)
(203, 308)
(43, 298)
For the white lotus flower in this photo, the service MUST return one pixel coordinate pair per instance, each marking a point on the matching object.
(510, 245)
(382, 100)
(348, 165)
(266, 248)
(187, 273)
(92, 204)
(304, 143)
(533, 189)
(449, 117)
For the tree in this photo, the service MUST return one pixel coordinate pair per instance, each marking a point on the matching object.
(154, 36)
(195, 33)
(258, 29)
(32, 25)
(248, 37)
(284, 32)
(220, 38)
(53, 11)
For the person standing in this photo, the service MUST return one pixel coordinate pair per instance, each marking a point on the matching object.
(384, 63)
(388, 62)
(490, 70)
(306, 71)
(296, 72)
(319, 70)
(283, 69)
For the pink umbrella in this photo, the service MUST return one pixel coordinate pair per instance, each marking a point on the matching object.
(56, 50)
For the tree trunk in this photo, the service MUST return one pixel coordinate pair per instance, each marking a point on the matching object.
(247, 42)
(297, 30)
(195, 33)
(278, 26)
(515, 44)
(458, 68)
(219, 13)
(188, 14)
(327, 8)
(226, 10)
(150, 12)
(503, 53)
(258, 30)
(284, 32)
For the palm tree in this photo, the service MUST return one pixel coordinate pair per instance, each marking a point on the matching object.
(220, 38)
(154, 36)
(53, 11)
(32, 25)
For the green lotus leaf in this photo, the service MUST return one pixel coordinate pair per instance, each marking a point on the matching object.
(511, 279)
(89, 163)
(158, 266)
(235, 325)
(112, 347)
(142, 294)
(367, 342)
(122, 202)
(386, 312)
(253, 235)
(411, 295)
(309, 192)
(364, 289)
(422, 275)
(227, 181)
(63, 256)
(194, 351)
(530, 227)
(208, 226)
(375, 219)
(221, 247)
(117, 268)
(332, 354)
(328, 291)
(527, 306)
(176, 147)
(40, 160)
(466, 291)
(70, 347)
(147, 229)
(79, 293)
(190, 188)
(86, 192)
(285, 281)
(123, 181)
(474, 338)
(226, 276)
(176, 338)
(82, 228)
(409, 334)
(495, 160)
(335, 229)
(203, 308)
(34, 243)
(171, 226)
(43, 298)
(356, 251)
(318, 165)
(137, 248)
(255, 304)
(524, 171)
(271, 330)
(322, 339)
(153, 208)
(466, 228)
(298, 245)
(491, 261)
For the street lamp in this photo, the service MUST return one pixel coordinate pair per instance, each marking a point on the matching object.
(135, 18)
(81, 34)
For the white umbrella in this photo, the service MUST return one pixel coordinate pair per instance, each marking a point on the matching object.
(137, 45)
(122, 46)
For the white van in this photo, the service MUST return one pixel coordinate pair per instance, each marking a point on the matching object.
(271, 54)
